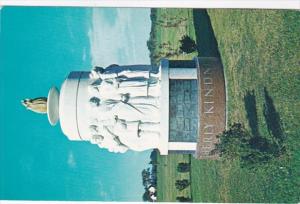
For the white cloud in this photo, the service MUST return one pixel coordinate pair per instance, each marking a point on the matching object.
(118, 42)
(105, 39)
(71, 160)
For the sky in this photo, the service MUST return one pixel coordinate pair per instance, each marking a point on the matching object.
(38, 48)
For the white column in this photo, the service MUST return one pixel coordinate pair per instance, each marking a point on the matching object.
(164, 107)
(183, 73)
(183, 146)
(267, 4)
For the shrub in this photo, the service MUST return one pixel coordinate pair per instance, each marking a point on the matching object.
(183, 199)
(238, 143)
(188, 45)
(183, 167)
(182, 184)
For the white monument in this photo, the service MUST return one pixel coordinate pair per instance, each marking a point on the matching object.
(117, 108)
(137, 107)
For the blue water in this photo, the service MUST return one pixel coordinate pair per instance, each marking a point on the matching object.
(39, 47)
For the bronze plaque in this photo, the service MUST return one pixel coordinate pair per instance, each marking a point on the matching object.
(212, 105)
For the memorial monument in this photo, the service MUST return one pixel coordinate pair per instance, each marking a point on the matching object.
(178, 106)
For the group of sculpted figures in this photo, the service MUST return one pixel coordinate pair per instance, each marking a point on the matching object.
(124, 107)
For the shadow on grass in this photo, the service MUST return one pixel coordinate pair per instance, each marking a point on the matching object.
(269, 148)
(273, 119)
(207, 45)
(250, 106)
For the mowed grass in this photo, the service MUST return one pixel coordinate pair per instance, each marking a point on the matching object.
(206, 181)
(167, 171)
(167, 33)
(260, 51)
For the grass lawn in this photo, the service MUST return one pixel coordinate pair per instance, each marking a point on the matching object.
(260, 51)
(167, 171)
(169, 26)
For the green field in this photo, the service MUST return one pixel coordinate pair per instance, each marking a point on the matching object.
(260, 52)
(168, 26)
(167, 169)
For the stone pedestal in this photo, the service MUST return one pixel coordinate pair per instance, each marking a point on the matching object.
(194, 100)
(179, 116)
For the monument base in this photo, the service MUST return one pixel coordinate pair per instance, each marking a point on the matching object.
(193, 106)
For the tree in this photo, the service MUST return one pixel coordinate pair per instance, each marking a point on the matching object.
(146, 177)
(234, 142)
(183, 199)
(146, 196)
(153, 155)
(153, 163)
(183, 167)
(182, 184)
(188, 45)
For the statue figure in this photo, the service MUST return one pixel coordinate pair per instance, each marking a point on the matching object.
(130, 71)
(104, 139)
(135, 135)
(38, 105)
(124, 104)
(45, 105)
(133, 109)
(99, 72)
(138, 80)
(113, 144)
(136, 86)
